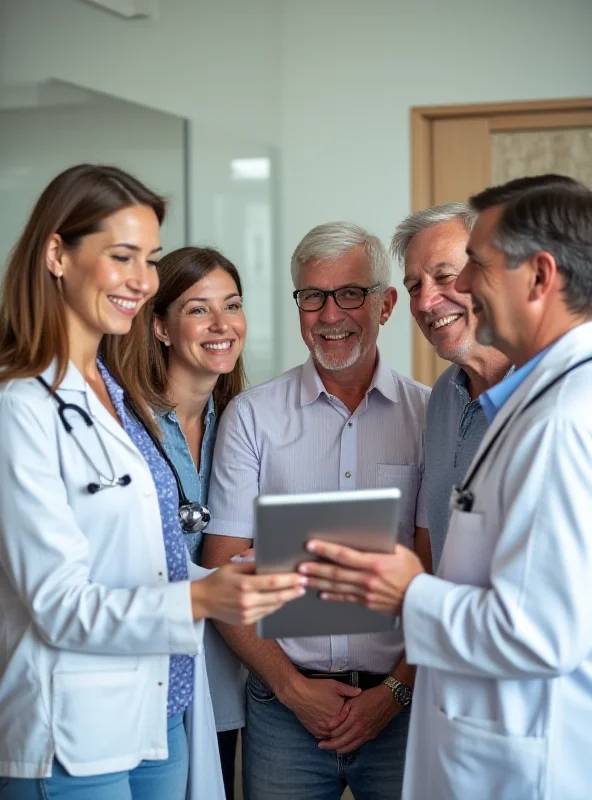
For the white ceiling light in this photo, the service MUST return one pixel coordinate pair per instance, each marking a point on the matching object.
(250, 169)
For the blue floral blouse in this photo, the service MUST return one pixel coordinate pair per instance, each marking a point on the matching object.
(181, 667)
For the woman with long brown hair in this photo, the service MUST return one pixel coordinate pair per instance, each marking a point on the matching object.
(189, 364)
(99, 646)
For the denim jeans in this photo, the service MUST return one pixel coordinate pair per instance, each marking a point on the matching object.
(150, 780)
(281, 759)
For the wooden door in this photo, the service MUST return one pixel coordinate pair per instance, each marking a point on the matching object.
(457, 151)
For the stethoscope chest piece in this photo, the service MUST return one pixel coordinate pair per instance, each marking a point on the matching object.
(194, 517)
(461, 500)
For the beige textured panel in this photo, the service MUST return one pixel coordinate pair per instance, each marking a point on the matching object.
(521, 153)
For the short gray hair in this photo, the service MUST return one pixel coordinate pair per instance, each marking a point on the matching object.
(428, 218)
(335, 239)
(556, 219)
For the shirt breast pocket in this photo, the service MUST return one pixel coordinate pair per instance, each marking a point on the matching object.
(406, 478)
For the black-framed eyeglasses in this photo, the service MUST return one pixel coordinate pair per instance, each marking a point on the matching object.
(346, 297)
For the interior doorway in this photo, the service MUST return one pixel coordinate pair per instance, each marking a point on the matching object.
(459, 150)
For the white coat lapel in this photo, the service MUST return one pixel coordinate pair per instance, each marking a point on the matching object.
(571, 348)
(74, 389)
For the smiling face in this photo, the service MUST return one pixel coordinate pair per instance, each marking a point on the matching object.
(499, 294)
(337, 338)
(205, 327)
(109, 276)
(433, 261)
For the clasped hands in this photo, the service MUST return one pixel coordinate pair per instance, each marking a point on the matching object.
(341, 716)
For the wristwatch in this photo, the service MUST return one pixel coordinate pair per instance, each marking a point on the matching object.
(400, 691)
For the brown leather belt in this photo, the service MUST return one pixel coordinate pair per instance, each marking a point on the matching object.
(363, 680)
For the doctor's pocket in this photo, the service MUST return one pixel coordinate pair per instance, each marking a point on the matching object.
(472, 760)
(97, 717)
(406, 478)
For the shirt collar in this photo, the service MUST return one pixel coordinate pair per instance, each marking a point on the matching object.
(311, 385)
(115, 391)
(209, 416)
(493, 399)
(460, 380)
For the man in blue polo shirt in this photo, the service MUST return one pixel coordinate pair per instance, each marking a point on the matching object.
(430, 245)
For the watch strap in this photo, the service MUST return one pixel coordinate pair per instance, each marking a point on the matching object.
(401, 692)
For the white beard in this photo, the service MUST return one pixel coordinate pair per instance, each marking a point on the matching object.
(332, 365)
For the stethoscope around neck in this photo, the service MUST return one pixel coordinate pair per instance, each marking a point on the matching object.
(193, 517)
(462, 497)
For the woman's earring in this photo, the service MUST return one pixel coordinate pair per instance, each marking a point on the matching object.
(59, 282)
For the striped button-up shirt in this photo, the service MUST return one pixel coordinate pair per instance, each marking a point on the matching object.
(290, 435)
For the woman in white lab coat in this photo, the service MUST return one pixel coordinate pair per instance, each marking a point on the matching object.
(100, 621)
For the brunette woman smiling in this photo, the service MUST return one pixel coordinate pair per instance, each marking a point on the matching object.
(99, 647)
(191, 352)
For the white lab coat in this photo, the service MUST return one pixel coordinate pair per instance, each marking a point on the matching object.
(88, 618)
(502, 706)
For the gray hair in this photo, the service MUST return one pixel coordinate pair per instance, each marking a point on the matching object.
(335, 239)
(555, 219)
(428, 218)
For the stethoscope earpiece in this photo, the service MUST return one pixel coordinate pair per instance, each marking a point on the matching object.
(93, 488)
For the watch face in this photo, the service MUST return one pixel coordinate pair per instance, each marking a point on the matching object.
(403, 695)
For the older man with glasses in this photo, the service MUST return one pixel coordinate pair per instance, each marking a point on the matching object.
(325, 712)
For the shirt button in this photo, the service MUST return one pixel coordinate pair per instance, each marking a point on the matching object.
(348, 474)
(160, 574)
(350, 424)
(160, 683)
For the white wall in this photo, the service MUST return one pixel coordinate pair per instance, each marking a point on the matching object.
(215, 64)
(329, 82)
(351, 72)
(36, 144)
(215, 61)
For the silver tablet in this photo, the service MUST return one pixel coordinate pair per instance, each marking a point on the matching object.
(366, 519)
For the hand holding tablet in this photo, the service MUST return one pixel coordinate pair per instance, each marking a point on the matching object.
(366, 520)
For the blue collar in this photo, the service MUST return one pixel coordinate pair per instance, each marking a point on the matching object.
(209, 414)
(493, 399)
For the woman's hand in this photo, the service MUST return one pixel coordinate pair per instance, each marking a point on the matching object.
(234, 594)
(375, 580)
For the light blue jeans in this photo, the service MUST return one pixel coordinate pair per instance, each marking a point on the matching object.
(150, 780)
(282, 760)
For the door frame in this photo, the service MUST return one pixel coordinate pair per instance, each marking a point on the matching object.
(520, 115)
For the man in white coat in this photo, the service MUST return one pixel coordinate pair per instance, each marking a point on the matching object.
(503, 635)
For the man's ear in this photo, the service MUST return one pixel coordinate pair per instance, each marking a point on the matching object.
(544, 274)
(389, 301)
(160, 330)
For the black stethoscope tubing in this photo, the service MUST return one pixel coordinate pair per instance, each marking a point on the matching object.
(462, 496)
(105, 482)
(193, 516)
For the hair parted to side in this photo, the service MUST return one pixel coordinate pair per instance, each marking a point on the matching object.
(141, 352)
(428, 218)
(556, 218)
(33, 317)
(504, 192)
(333, 240)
